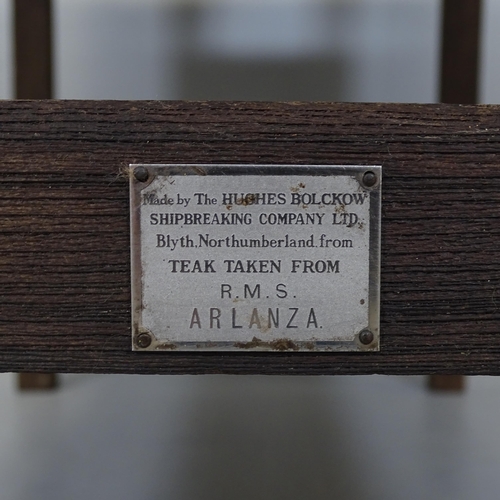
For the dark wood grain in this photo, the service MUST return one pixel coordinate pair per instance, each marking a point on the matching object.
(64, 218)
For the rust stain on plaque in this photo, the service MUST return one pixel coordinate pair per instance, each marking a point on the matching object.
(275, 345)
(166, 346)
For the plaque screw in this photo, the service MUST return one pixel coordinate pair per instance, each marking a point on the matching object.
(142, 174)
(369, 179)
(143, 340)
(366, 337)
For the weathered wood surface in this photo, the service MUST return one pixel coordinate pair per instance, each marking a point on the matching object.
(64, 218)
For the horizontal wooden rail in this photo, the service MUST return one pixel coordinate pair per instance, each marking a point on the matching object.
(64, 218)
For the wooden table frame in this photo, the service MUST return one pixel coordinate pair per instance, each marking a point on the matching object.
(459, 67)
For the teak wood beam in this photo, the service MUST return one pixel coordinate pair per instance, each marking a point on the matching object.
(64, 218)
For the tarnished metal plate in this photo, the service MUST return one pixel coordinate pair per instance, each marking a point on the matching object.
(259, 257)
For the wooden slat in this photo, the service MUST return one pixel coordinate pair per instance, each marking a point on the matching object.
(64, 219)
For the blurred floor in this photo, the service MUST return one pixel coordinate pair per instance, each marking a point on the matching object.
(225, 437)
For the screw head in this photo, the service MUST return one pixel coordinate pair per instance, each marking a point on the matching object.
(141, 174)
(369, 179)
(366, 337)
(143, 340)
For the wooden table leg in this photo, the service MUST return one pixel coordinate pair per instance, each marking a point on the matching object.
(459, 78)
(447, 382)
(460, 51)
(33, 63)
(34, 381)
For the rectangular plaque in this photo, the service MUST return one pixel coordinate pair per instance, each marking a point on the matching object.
(255, 257)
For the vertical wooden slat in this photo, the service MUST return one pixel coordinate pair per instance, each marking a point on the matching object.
(459, 82)
(33, 70)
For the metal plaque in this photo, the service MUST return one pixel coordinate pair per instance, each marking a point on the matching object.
(255, 257)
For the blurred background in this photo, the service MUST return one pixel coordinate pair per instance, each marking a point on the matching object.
(226, 437)
(343, 50)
